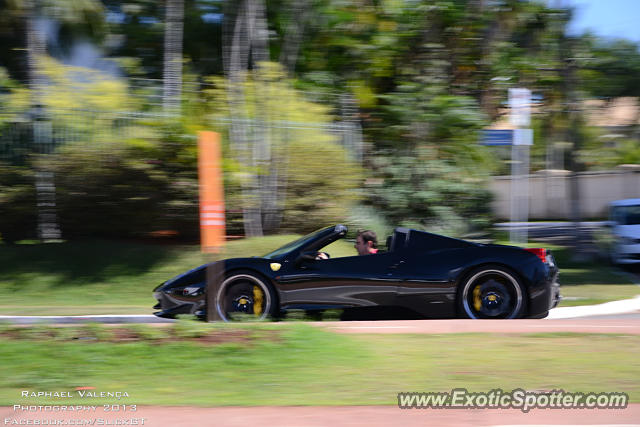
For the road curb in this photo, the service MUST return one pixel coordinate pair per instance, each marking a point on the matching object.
(608, 308)
(105, 318)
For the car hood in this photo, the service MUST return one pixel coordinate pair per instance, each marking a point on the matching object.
(179, 277)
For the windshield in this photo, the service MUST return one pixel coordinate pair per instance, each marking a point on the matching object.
(626, 215)
(295, 244)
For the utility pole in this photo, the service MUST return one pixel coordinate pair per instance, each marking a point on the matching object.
(573, 137)
(522, 138)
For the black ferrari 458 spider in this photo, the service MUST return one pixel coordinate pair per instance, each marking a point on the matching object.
(419, 275)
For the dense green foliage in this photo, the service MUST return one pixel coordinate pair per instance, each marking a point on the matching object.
(17, 201)
(420, 78)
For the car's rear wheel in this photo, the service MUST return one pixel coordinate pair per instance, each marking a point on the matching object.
(244, 296)
(492, 292)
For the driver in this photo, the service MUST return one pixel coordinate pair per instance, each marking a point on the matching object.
(366, 242)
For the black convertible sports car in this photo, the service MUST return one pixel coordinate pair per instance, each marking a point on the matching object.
(419, 275)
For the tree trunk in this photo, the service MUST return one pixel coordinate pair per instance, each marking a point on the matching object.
(237, 46)
(293, 36)
(263, 149)
(573, 136)
(48, 226)
(174, 18)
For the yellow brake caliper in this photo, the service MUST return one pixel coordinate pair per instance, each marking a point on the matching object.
(257, 300)
(477, 302)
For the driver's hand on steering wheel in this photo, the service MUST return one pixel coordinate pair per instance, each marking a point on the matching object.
(322, 255)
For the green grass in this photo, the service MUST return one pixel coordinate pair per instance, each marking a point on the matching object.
(304, 365)
(100, 277)
(592, 282)
(596, 294)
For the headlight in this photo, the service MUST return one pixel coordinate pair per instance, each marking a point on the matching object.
(190, 291)
(193, 291)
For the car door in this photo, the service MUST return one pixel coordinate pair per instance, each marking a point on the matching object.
(355, 281)
(425, 281)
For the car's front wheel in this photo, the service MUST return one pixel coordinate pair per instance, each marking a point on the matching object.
(244, 296)
(492, 292)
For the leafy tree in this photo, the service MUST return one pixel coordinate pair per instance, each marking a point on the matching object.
(72, 20)
(610, 69)
(116, 173)
(321, 185)
(302, 169)
(440, 176)
(137, 29)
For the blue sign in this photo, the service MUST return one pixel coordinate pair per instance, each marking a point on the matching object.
(497, 137)
(507, 137)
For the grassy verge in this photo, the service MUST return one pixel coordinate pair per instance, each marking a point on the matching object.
(296, 364)
(593, 282)
(100, 277)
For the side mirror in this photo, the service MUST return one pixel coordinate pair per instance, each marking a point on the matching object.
(306, 256)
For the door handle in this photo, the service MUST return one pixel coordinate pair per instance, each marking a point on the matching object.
(397, 264)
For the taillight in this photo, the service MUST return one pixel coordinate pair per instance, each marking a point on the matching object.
(539, 252)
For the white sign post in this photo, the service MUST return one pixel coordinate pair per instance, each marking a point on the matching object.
(520, 117)
(520, 107)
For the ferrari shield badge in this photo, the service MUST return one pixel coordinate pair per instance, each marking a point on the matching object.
(275, 266)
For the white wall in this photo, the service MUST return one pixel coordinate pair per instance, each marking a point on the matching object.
(549, 192)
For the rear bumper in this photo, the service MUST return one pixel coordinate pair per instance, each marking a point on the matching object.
(555, 288)
(545, 295)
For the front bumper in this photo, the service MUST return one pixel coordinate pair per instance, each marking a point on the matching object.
(170, 306)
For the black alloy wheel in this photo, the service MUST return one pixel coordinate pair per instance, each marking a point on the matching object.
(492, 293)
(244, 296)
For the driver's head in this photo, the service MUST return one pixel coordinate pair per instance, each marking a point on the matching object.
(366, 242)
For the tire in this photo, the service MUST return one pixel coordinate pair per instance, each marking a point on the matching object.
(492, 292)
(245, 295)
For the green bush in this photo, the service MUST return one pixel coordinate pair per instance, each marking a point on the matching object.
(18, 207)
(103, 191)
(321, 186)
